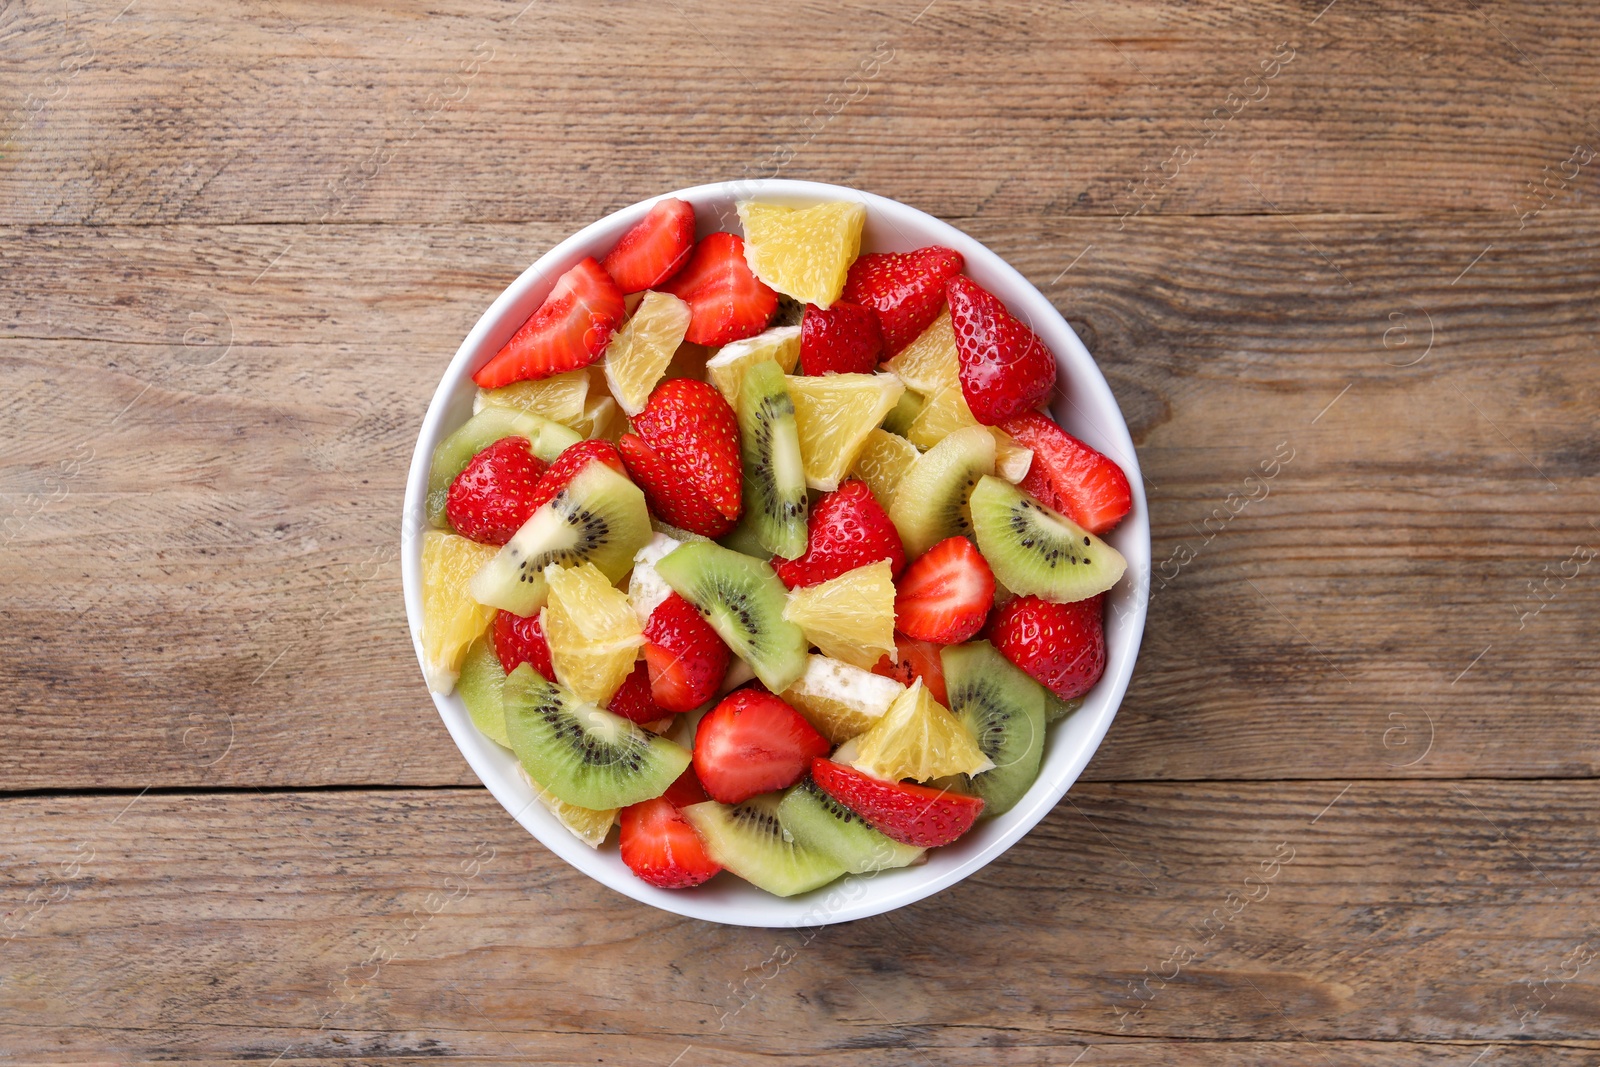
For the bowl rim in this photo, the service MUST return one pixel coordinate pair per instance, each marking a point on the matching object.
(740, 904)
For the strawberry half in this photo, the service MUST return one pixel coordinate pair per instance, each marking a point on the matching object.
(686, 789)
(519, 639)
(633, 699)
(658, 844)
(727, 302)
(1003, 366)
(689, 425)
(918, 659)
(573, 459)
(911, 814)
(906, 289)
(496, 492)
(671, 498)
(570, 330)
(753, 743)
(1069, 476)
(655, 248)
(842, 339)
(1061, 646)
(945, 595)
(847, 529)
(686, 658)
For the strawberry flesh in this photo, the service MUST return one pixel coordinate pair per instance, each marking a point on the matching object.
(1069, 476)
(847, 529)
(671, 498)
(496, 492)
(1003, 366)
(906, 289)
(727, 302)
(686, 659)
(573, 459)
(655, 249)
(686, 789)
(519, 639)
(842, 339)
(945, 596)
(691, 427)
(570, 330)
(633, 699)
(753, 743)
(918, 659)
(911, 814)
(660, 846)
(1060, 646)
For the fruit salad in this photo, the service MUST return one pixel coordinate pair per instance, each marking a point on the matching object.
(767, 551)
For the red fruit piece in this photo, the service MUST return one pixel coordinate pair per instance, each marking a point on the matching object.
(1061, 646)
(519, 639)
(571, 329)
(1068, 475)
(660, 846)
(918, 659)
(905, 288)
(573, 459)
(671, 498)
(945, 595)
(689, 425)
(911, 814)
(686, 658)
(1003, 366)
(655, 248)
(686, 789)
(633, 699)
(753, 743)
(496, 493)
(847, 529)
(727, 302)
(842, 339)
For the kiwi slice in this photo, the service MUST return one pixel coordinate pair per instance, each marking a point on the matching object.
(743, 600)
(743, 538)
(1004, 709)
(904, 413)
(478, 433)
(1055, 709)
(930, 503)
(481, 684)
(822, 824)
(582, 753)
(749, 840)
(1033, 550)
(774, 478)
(600, 518)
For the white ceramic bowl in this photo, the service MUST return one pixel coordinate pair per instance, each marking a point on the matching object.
(1083, 405)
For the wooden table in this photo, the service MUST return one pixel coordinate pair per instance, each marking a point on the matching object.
(1347, 812)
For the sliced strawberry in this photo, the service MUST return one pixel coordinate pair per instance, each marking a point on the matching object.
(633, 699)
(753, 743)
(918, 659)
(660, 846)
(1061, 646)
(519, 639)
(672, 499)
(655, 248)
(496, 493)
(571, 329)
(1068, 475)
(1003, 366)
(686, 658)
(573, 459)
(727, 302)
(945, 595)
(687, 789)
(911, 814)
(905, 288)
(847, 529)
(689, 425)
(842, 339)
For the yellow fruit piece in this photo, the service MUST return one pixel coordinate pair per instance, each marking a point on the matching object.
(639, 353)
(803, 252)
(587, 824)
(916, 738)
(593, 632)
(883, 461)
(451, 619)
(834, 413)
(601, 415)
(559, 398)
(944, 413)
(725, 370)
(851, 617)
(1011, 460)
(839, 699)
(928, 364)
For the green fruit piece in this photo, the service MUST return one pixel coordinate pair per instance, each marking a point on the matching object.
(774, 477)
(1003, 709)
(1056, 709)
(1033, 550)
(743, 600)
(930, 503)
(749, 840)
(481, 684)
(904, 413)
(600, 518)
(580, 752)
(478, 433)
(743, 538)
(819, 822)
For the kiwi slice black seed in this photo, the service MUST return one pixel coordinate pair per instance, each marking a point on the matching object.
(904, 412)
(481, 686)
(749, 840)
(743, 600)
(600, 518)
(1032, 549)
(478, 433)
(582, 753)
(824, 825)
(1003, 709)
(930, 503)
(790, 312)
(774, 477)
